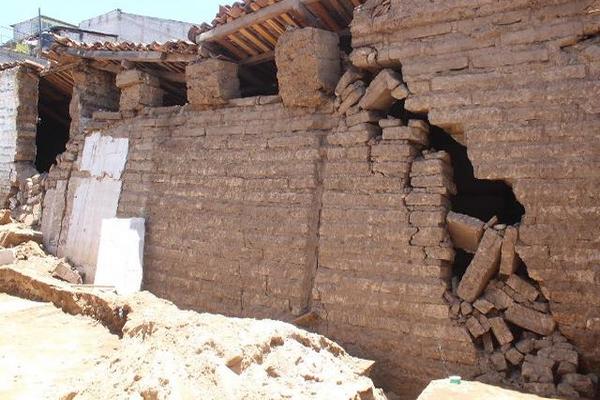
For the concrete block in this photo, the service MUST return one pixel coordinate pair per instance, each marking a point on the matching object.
(120, 254)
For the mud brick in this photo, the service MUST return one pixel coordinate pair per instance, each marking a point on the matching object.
(412, 135)
(400, 92)
(539, 360)
(522, 287)
(498, 298)
(514, 356)
(532, 372)
(530, 319)
(482, 268)
(466, 308)
(363, 117)
(488, 343)
(483, 306)
(390, 122)
(525, 346)
(474, 327)
(378, 95)
(509, 260)
(455, 310)
(465, 231)
(558, 354)
(485, 322)
(498, 361)
(419, 124)
(351, 75)
(565, 367)
(501, 330)
(584, 384)
(565, 390)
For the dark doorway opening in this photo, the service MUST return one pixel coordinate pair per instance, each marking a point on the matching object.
(53, 125)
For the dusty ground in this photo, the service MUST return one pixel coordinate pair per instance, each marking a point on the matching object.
(40, 345)
(98, 345)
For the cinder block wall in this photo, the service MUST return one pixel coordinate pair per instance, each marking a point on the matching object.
(518, 83)
(18, 121)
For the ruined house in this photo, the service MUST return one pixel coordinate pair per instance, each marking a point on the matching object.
(418, 181)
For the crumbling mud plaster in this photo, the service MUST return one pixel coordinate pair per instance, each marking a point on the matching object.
(18, 120)
(517, 83)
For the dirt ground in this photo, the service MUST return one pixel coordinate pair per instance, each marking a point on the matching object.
(75, 342)
(40, 345)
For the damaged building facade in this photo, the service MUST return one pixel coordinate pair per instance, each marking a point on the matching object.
(423, 190)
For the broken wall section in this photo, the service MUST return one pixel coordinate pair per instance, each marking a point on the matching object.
(384, 252)
(517, 83)
(18, 120)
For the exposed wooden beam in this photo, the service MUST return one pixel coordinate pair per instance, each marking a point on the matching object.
(254, 40)
(240, 42)
(256, 17)
(236, 52)
(60, 68)
(135, 56)
(324, 16)
(259, 59)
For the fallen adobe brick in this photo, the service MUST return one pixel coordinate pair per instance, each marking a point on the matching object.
(522, 287)
(501, 331)
(482, 268)
(509, 260)
(378, 95)
(465, 231)
(529, 319)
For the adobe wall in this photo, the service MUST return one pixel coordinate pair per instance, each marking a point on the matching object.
(18, 121)
(518, 83)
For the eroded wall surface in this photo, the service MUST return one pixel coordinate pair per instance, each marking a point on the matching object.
(518, 83)
(18, 120)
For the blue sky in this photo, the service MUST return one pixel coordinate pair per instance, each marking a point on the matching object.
(74, 11)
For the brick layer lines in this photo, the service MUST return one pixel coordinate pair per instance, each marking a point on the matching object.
(518, 83)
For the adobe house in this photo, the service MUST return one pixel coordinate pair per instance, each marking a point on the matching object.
(422, 188)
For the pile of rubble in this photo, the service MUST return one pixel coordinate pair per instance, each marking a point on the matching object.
(509, 317)
(26, 204)
(353, 94)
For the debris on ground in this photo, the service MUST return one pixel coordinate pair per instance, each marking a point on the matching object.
(163, 352)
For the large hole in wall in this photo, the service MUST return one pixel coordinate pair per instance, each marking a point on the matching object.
(53, 125)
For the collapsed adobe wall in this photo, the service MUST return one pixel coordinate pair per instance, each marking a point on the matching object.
(517, 83)
(18, 120)
(254, 208)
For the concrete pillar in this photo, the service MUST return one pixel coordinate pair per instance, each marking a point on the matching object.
(308, 66)
(212, 83)
(138, 90)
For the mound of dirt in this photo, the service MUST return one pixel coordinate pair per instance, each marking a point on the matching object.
(168, 353)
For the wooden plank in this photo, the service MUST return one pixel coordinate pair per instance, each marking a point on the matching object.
(324, 16)
(256, 17)
(254, 40)
(236, 52)
(342, 12)
(265, 34)
(240, 42)
(258, 59)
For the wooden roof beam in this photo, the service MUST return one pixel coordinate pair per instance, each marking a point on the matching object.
(256, 17)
